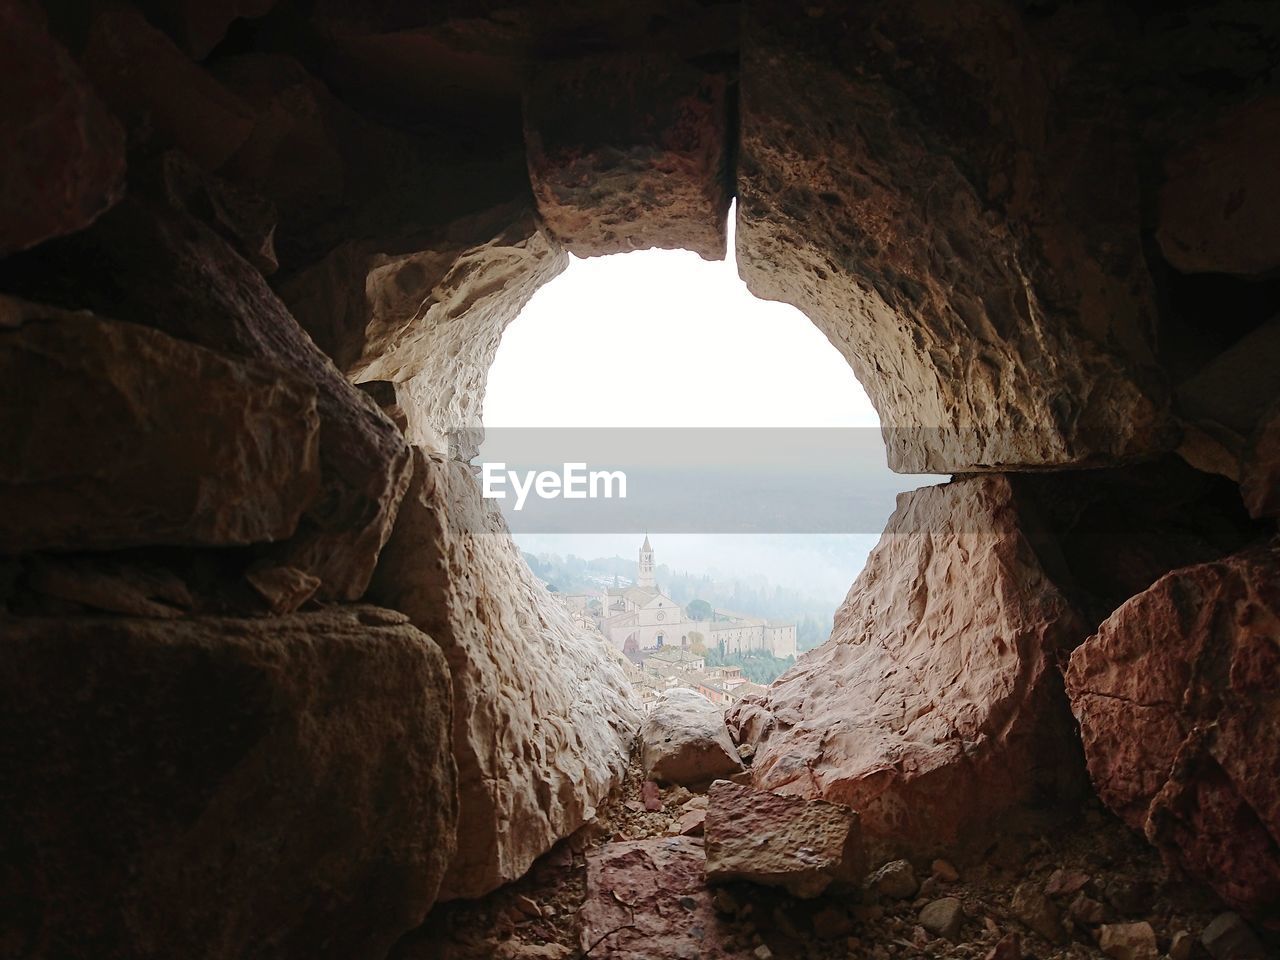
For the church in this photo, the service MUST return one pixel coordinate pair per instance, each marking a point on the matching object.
(641, 618)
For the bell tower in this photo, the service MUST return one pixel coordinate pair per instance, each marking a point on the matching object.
(645, 576)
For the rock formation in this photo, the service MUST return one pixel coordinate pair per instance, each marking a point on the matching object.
(935, 709)
(253, 253)
(222, 788)
(543, 719)
(683, 741)
(1177, 699)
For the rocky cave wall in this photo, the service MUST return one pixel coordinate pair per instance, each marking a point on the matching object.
(265, 649)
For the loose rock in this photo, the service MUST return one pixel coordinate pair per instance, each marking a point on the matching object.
(895, 880)
(943, 917)
(684, 740)
(1128, 941)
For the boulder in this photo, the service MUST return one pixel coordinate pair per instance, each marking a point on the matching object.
(64, 160)
(222, 788)
(935, 709)
(1128, 941)
(802, 846)
(684, 741)
(119, 435)
(164, 98)
(647, 899)
(151, 264)
(649, 169)
(543, 716)
(1178, 700)
(1213, 212)
(945, 195)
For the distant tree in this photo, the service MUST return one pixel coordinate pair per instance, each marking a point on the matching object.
(552, 588)
(697, 644)
(699, 610)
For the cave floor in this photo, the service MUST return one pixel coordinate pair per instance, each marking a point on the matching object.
(543, 915)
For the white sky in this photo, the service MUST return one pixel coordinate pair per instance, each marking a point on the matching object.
(663, 338)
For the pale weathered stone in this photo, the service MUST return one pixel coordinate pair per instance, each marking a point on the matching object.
(800, 845)
(650, 169)
(543, 718)
(684, 741)
(63, 162)
(935, 709)
(1178, 699)
(117, 435)
(223, 788)
(985, 280)
(647, 899)
(943, 917)
(1128, 941)
(1216, 206)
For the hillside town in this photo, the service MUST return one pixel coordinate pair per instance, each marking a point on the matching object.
(664, 647)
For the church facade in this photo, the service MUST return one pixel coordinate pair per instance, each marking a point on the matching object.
(641, 618)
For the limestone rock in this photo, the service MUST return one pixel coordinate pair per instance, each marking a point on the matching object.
(985, 278)
(935, 709)
(64, 159)
(647, 899)
(650, 169)
(1128, 941)
(1214, 206)
(895, 880)
(943, 917)
(119, 435)
(800, 845)
(684, 741)
(543, 717)
(222, 788)
(428, 319)
(150, 264)
(1178, 699)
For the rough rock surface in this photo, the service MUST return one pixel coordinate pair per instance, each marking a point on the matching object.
(428, 320)
(222, 788)
(635, 890)
(118, 435)
(684, 741)
(1219, 191)
(63, 162)
(935, 709)
(150, 264)
(800, 845)
(1260, 470)
(1178, 699)
(650, 167)
(918, 181)
(543, 717)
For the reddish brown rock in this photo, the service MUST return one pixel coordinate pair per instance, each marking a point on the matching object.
(63, 162)
(1178, 699)
(961, 219)
(119, 435)
(198, 25)
(1215, 209)
(154, 265)
(800, 845)
(543, 716)
(650, 166)
(222, 788)
(647, 899)
(159, 92)
(1260, 467)
(935, 709)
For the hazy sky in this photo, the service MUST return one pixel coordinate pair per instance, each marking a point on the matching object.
(664, 338)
